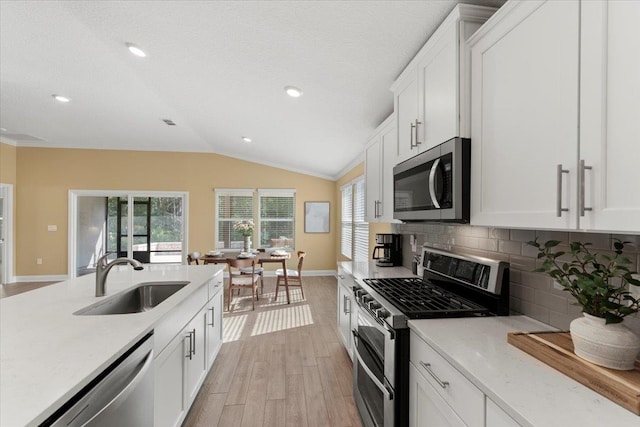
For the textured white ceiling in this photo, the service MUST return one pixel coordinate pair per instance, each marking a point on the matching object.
(216, 68)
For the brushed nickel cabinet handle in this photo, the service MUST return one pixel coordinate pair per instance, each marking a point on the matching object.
(559, 208)
(213, 319)
(411, 145)
(427, 367)
(416, 128)
(581, 193)
(190, 353)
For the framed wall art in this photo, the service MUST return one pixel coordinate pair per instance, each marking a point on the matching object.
(316, 217)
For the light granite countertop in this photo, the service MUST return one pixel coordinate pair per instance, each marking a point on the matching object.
(369, 270)
(47, 354)
(531, 392)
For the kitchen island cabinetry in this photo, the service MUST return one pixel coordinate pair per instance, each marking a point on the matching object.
(379, 162)
(431, 96)
(555, 110)
(496, 417)
(182, 366)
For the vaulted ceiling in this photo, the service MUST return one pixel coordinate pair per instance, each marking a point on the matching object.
(217, 69)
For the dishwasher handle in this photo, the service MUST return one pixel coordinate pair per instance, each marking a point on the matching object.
(126, 392)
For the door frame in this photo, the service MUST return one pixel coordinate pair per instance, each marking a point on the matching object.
(131, 194)
(6, 192)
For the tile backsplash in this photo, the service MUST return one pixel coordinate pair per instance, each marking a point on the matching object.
(532, 294)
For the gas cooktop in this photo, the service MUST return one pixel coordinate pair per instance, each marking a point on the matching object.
(420, 299)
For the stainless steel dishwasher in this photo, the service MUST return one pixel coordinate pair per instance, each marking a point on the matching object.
(122, 395)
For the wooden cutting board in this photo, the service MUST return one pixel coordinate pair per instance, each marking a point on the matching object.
(556, 350)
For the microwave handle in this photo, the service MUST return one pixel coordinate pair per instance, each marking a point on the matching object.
(432, 183)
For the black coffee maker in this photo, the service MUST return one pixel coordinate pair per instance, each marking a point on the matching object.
(388, 250)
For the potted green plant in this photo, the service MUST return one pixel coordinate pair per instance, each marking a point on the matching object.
(600, 284)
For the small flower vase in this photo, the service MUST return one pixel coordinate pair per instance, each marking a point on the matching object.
(247, 244)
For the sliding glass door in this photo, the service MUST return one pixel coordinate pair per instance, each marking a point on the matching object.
(152, 232)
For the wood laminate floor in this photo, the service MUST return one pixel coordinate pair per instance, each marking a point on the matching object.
(10, 289)
(280, 365)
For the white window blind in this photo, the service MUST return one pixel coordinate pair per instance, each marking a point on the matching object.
(355, 231)
(347, 221)
(361, 228)
(277, 218)
(232, 206)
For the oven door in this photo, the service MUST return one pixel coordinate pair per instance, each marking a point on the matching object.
(373, 371)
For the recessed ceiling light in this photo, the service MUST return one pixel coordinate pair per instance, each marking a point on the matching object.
(293, 91)
(246, 139)
(136, 50)
(61, 98)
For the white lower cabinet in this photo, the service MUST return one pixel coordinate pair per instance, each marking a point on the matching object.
(214, 328)
(496, 417)
(195, 360)
(426, 407)
(439, 393)
(345, 306)
(169, 401)
(181, 366)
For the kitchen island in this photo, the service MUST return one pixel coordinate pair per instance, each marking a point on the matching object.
(48, 354)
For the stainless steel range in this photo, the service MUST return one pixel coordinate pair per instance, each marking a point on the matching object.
(452, 286)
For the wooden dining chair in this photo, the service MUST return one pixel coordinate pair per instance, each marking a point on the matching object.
(193, 257)
(294, 277)
(237, 280)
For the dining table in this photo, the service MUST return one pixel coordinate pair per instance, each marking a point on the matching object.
(263, 257)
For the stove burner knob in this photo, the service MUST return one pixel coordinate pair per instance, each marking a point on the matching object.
(382, 313)
(366, 298)
(373, 305)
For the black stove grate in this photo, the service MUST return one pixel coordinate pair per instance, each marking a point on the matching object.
(420, 299)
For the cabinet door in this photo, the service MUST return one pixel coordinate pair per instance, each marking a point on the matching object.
(213, 330)
(610, 115)
(496, 417)
(426, 407)
(389, 141)
(373, 181)
(169, 402)
(406, 109)
(525, 116)
(344, 314)
(439, 78)
(196, 363)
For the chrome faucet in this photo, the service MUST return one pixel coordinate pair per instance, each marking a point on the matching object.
(103, 267)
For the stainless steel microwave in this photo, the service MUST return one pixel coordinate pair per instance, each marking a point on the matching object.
(434, 185)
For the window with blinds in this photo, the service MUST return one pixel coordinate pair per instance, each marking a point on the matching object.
(347, 221)
(360, 227)
(277, 218)
(355, 231)
(232, 206)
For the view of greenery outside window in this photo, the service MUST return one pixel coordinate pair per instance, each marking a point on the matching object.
(232, 206)
(277, 219)
(157, 228)
(354, 242)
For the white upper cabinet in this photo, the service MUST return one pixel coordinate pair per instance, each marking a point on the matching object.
(554, 84)
(431, 96)
(525, 116)
(610, 116)
(379, 162)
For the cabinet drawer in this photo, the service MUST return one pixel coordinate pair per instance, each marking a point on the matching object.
(215, 284)
(465, 398)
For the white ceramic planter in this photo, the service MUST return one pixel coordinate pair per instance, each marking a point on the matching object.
(612, 346)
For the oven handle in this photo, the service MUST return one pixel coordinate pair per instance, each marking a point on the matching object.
(432, 183)
(388, 393)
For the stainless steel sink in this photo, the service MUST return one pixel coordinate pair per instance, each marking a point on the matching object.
(143, 297)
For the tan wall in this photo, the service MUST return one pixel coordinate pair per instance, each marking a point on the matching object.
(7, 164)
(45, 177)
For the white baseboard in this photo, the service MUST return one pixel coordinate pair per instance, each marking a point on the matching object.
(42, 278)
